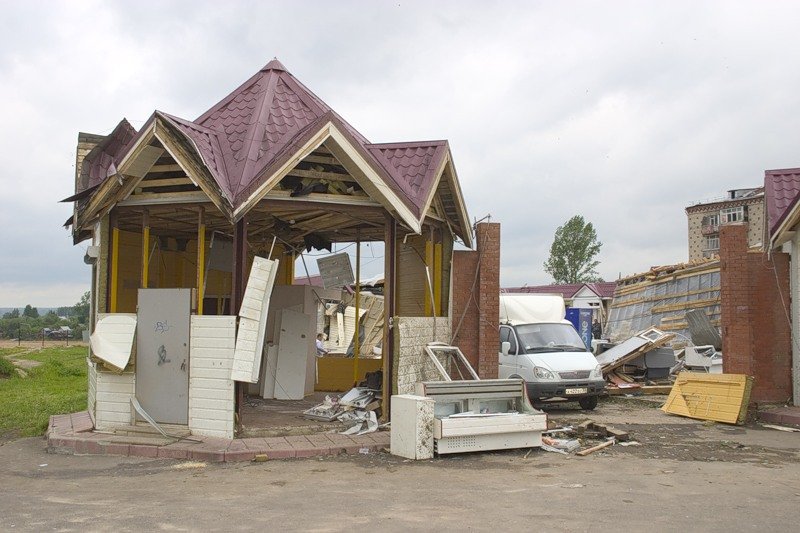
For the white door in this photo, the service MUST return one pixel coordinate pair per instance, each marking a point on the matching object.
(509, 364)
(162, 354)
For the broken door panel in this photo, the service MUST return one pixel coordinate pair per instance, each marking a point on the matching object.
(293, 342)
(162, 354)
(253, 321)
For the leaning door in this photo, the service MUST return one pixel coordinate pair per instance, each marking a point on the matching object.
(162, 354)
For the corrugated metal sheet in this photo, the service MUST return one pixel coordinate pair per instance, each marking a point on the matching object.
(661, 297)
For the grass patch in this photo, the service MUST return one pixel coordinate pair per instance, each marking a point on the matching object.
(57, 386)
(11, 351)
(7, 369)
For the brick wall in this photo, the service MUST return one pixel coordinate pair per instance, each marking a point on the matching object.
(756, 335)
(412, 364)
(476, 300)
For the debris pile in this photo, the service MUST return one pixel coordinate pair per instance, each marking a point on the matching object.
(358, 410)
(643, 362)
(568, 440)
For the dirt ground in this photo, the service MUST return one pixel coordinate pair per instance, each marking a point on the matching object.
(686, 475)
(35, 345)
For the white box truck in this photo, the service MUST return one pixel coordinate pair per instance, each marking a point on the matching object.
(538, 345)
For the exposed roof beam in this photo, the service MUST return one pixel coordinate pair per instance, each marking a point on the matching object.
(152, 198)
(322, 159)
(321, 175)
(166, 168)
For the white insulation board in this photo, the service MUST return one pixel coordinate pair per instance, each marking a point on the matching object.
(253, 321)
(112, 339)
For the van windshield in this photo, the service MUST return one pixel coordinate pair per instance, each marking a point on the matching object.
(538, 338)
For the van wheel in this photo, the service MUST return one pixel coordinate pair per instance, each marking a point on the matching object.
(588, 403)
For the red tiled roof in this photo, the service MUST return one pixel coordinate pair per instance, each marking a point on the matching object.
(315, 280)
(207, 143)
(256, 120)
(101, 161)
(782, 190)
(567, 290)
(246, 137)
(413, 166)
(604, 289)
(244, 134)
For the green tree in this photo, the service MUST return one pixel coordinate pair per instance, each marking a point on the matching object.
(572, 253)
(50, 319)
(31, 312)
(81, 309)
(14, 313)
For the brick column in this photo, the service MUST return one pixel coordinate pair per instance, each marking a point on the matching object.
(476, 300)
(756, 334)
(488, 238)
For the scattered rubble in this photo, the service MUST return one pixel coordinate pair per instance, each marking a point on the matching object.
(357, 410)
(570, 438)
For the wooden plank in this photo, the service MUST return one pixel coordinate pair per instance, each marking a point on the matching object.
(166, 182)
(321, 175)
(593, 449)
(152, 198)
(166, 168)
(718, 397)
(324, 159)
(643, 389)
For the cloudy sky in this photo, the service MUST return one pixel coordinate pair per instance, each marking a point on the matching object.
(623, 112)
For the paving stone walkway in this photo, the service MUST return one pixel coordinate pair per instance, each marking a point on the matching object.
(780, 415)
(74, 434)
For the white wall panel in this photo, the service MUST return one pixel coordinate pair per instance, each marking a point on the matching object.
(211, 389)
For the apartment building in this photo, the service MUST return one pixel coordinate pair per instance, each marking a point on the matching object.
(738, 206)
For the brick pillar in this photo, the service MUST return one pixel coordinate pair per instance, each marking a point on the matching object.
(756, 333)
(476, 300)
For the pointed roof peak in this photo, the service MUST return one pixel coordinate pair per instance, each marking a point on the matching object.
(274, 65)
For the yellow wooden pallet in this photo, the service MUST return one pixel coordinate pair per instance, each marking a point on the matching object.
(718, 397)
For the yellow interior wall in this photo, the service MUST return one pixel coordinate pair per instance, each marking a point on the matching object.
(128, 270)
(413, 294)
(167, 269)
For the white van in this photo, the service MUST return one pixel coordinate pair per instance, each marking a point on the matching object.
(538, 345)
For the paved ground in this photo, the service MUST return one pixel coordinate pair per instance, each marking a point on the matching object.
(687, 475)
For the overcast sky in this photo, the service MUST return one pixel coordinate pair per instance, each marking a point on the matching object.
(623, 112)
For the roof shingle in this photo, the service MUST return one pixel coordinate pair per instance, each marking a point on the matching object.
(781, 190)
(245, 136)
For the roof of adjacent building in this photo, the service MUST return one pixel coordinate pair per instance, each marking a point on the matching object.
(749, 196)
(603, 289)
(242, 139)
(782, 190)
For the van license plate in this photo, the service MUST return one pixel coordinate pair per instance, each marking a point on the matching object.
(582, 390)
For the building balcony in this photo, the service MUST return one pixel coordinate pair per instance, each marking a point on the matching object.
(709, 229)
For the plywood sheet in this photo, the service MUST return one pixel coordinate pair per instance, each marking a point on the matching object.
(112, 339)
(718, 397)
